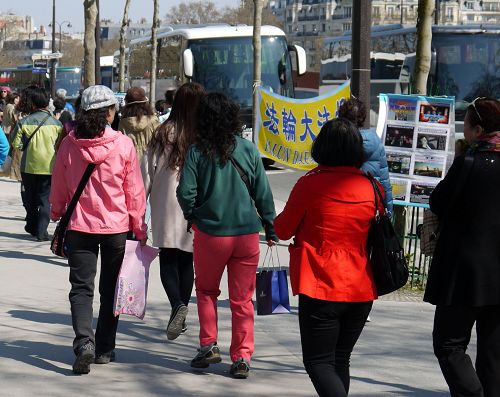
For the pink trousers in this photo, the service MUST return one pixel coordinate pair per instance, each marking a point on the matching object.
(241, 256)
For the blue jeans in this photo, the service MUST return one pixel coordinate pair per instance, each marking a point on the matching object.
(328, 332)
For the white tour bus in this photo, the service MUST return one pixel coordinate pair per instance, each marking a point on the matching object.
(220, 57)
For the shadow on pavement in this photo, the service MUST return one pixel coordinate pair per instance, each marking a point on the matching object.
(39, 258)
(12, 218)
(404, 390)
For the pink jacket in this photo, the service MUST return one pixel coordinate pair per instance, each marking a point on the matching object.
(113, 200)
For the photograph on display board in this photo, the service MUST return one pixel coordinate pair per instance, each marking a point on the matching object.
(402, 109)
(420, 192)
(431, 142)
(428, 166)
(399, 163)
(399, 136)
(432, 113)
(399, 187)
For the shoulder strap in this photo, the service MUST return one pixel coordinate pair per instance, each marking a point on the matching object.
(378, 195)
(243, 175)
(78, 192)
(25, 146)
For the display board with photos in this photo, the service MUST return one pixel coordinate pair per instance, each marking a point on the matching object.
(418, 133)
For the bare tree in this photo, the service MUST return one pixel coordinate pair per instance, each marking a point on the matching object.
(194, 12)
(257, 22)
(123, 41)
(90, 10)
(154, 52)
(424, 38)
(243, 14)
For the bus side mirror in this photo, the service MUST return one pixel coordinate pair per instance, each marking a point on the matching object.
(301, 58)
(188, 61)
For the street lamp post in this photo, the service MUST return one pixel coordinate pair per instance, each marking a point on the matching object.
(53, 61)
(60, 25)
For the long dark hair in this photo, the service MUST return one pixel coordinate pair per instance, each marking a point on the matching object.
(177, 133)
(218, 124)
(91, 123)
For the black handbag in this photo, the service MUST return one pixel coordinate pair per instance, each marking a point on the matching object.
(388, 262)
(57, 245)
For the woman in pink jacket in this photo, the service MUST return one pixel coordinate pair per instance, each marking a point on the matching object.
(111, 205)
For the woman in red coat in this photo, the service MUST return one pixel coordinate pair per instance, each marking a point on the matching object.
(329, 213)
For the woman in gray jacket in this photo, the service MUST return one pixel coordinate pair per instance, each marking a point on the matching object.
(161, 163)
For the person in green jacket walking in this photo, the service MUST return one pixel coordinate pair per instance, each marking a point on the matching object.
(227, 216)
(36, 135)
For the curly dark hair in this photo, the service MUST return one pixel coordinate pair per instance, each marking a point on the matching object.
(353, 110)
(178, 132)
(91, 123)
(218, 124)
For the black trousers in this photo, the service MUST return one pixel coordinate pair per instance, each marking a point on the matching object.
(328, 332)
(83, 249)
(451, 336)
(36, 201)
(177, 275)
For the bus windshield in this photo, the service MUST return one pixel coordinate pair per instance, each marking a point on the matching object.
(226, 64)
(467, 67)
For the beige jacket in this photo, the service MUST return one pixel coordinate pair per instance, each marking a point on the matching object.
(140, 131)
(167, 221)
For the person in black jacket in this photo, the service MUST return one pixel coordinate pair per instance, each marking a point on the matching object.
(464, 278)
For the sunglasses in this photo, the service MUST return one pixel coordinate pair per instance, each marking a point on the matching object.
(473, 103)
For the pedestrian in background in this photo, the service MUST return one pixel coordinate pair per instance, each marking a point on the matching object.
(60, 112)
(36, 135)
(10, 113)
(464, 278)
(138, 120)
(4, 91)
(329, 213)
(375, 160)
(226, 223)
(161, 166)
(112, 203)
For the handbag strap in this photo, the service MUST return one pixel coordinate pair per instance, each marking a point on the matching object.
(78, 192)
(25, 146)
(377, 194)
(243, 175)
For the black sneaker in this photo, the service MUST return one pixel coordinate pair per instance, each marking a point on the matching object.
(177, 319)
(206, 355)
(105, 358)
(240, 369)
(85, 357)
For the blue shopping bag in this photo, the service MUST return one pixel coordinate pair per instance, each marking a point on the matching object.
(271, 290)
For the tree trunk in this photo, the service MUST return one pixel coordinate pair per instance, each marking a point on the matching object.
(419, 81)
(90, 8)
(257, 22)
(424, 38)
(154, 53)
(98, 45)
(123, 41)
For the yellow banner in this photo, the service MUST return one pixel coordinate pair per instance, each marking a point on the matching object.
(286, 127)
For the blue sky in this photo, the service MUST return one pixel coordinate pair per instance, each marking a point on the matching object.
(72, 10)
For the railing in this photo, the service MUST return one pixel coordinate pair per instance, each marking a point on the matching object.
(418, 263)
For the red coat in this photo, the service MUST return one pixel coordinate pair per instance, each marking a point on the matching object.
(329, 212)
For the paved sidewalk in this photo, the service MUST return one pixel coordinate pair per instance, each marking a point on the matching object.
(393, 357)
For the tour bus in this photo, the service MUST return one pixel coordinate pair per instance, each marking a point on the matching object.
(220, 57)
(465, 63)
(20, 77)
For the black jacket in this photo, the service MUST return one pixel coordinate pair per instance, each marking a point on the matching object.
(465, 269)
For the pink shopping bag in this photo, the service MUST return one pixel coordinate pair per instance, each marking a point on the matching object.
(132, 284)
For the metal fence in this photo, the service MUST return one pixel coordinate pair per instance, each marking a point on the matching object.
(418, 263)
